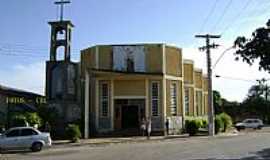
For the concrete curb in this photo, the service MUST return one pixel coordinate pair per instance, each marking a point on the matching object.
(105, 142)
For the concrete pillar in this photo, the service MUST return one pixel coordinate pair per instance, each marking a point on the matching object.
(147, 108)
(112, 104)
(97, 103)
(86, 107)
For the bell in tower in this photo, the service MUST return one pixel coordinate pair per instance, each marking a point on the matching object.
(60, 37)
(62, 76)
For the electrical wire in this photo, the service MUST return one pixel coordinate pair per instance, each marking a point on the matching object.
(222, 15)
(237, 16)
(208, 16)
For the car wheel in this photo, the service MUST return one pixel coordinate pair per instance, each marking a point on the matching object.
(259, 127)
(36, 147)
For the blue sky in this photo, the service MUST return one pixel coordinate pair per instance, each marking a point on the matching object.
(25, 33)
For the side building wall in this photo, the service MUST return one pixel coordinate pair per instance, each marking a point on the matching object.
(174, 88)
(195, 91)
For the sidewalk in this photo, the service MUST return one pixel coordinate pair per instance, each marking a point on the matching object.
(138, 139)
(107, 141)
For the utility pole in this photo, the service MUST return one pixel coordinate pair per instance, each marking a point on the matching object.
(211, 122)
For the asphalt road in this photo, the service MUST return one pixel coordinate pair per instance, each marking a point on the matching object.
(249, 145)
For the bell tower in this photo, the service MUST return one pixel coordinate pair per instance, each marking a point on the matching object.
(60, 34)
(62, 75)
(60, 37)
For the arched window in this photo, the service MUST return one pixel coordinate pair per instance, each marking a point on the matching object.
(60, 53)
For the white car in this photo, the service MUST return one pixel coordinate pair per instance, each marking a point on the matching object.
(249, 123)
(24, 138)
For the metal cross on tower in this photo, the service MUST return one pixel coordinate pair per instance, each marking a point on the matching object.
(61, 3)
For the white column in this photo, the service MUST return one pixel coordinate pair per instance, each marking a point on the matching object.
(183, 103)
(164, 97)
(86, 107)
(97, 57)
(112, 104)
(147, 108)
(164, 84)
(97, 102)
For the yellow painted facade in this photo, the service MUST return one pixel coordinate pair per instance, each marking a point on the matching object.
(189, 72)
(154, 58)
(129, 88)
(198, 79)
(173, 61)
(195, 90)
(158, 92)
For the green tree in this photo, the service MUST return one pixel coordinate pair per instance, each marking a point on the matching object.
(217, 102)
(255, 91)
(33, 118)
(255, 48)
(25, 118)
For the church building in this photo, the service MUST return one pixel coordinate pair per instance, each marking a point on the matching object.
(125, 84)
(113, 88)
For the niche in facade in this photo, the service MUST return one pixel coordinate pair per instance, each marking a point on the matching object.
(129, 58)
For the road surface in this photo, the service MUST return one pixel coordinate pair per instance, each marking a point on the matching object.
(250, 145)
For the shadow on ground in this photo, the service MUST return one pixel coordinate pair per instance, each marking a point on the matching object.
(261, 155)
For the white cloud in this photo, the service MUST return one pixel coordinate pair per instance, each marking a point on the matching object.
(30, 77)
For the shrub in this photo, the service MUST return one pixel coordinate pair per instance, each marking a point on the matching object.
(192, 127)
(204, 123)
(73, 132)
(218, 124)
(227, 121)
(199, 123)
(33, 118)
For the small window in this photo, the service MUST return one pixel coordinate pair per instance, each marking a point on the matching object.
(155, 98)
(13, 133)
(199, 103)
(104, 99)
(28, 132)
(173, 99)
(187, 101)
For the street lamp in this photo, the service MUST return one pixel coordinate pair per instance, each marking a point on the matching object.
(222, 54)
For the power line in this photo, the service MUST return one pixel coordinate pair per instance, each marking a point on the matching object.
(237, 16)
(222, 15)
(249, 15)
(22, 55)
(208, 16)
(211, 11)
(22, 46)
